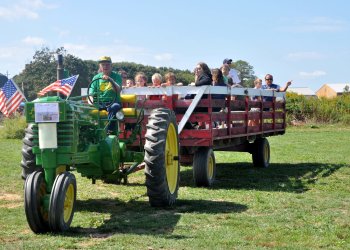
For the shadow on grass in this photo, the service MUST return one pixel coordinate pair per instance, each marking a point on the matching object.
(277, 177)
(137, 217)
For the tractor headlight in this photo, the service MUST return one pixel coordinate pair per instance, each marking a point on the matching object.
(119, 115)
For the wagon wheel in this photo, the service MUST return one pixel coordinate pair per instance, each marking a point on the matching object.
(161, 157)
(34, 192)
(261, 153)
(62, 202)
(28, 158)
(204, 167)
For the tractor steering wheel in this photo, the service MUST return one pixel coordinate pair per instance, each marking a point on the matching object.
(91, 95)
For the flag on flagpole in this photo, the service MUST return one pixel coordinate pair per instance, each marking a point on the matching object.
(63, 86)
(10, 98)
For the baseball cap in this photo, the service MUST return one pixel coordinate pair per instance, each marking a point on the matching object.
(227, 61)
(105, 59)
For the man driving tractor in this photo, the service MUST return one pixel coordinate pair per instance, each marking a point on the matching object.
(105, 88)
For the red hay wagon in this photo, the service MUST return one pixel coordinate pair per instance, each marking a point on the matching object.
(215, 119)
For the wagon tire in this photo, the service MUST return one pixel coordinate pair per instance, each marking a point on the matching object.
(162, 168)
(261, 153)
(204, 167)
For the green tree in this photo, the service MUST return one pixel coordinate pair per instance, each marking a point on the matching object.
(42, 71)
(246, 73)
(37, 74)
(77, 66)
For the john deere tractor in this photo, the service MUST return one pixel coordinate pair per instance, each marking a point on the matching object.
(69, 135)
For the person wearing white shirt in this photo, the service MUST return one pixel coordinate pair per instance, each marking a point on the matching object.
(233, 72)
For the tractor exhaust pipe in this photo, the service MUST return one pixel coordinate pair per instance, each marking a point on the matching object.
(60, 69)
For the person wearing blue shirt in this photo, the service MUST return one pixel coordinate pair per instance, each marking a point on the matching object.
(270, 85)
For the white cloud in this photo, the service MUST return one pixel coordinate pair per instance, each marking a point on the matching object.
(163, 57)
(317, 24)
(118, 51)
(313, 74)
(27, 9)
(296, 56)
(37, 4)
(5, 53)
(64, 33)
(33, 40)
(14, 58)
(16, 12)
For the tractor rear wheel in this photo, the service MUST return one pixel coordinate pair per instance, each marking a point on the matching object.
(62, 202)
(162, 158)
(261, 153)
(28, 158)
(34, 192)
(204, 167)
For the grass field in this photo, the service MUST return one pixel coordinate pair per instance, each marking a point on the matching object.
(302, 201)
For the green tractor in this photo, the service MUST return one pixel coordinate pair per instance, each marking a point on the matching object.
(68, 135)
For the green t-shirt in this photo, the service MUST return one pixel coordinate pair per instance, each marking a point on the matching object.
(105, 88)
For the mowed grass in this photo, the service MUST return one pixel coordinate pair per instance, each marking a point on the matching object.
(302, 201)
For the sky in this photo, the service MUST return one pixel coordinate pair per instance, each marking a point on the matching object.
(303, 41)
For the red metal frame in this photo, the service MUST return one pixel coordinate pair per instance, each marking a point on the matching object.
(237, 116)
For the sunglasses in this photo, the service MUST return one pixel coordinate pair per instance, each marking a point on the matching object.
(268, 79)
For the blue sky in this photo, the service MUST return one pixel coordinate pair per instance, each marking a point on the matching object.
(304, 41)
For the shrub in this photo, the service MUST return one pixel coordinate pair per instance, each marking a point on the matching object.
(13, 128)
(323, 110)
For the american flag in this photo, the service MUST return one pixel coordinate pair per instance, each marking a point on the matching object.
(63, 86)
(10, 98)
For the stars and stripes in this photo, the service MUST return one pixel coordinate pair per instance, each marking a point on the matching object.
(10, 98)
(63, 86)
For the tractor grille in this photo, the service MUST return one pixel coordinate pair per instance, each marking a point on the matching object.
(65, 132)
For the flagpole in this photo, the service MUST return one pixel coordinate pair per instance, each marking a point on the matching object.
(60, 69)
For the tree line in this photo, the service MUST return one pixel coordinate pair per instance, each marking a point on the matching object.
(42, 71)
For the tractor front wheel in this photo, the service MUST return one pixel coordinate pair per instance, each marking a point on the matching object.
(62, 202)
(204, 167)
(162, 158)
(34, 192)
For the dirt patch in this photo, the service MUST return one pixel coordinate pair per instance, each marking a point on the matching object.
(14, 199)
(10, 197)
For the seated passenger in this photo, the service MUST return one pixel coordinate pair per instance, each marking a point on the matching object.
(202, 77)
(140, 79)
(257, 85)
(218, 80)
(156, 82)
(170, 79)
(124, 76)
(129, 83)
(270, 85)
(225, 69)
